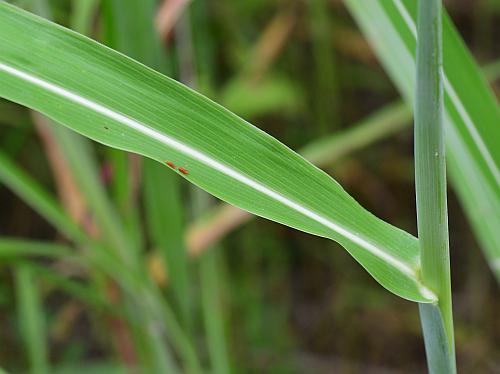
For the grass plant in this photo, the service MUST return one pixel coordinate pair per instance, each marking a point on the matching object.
(134, 241)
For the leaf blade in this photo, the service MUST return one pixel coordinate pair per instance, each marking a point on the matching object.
(101, 94)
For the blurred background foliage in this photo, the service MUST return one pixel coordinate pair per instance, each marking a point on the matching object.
(202, 290)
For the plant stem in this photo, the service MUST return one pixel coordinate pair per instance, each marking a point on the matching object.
(430, 183)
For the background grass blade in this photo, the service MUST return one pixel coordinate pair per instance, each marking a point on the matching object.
(80, 158)
(325, 80)
(31, 319)
(213, 310)
(165, 223)
(39, 199)
(252, 170)
(10, 247)
(81, 14)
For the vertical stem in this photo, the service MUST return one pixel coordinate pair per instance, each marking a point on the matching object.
(430, 183)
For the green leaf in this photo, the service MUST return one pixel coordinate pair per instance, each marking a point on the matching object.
(121, 103)
(10, 247)
(81, 14)
(214, 315)
(93, 367)
(252, 99)
(471, 115)
(31, 319)
(164, 216)
(83, 163)
(38, 198)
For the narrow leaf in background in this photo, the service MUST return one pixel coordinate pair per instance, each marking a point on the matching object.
(31, 319)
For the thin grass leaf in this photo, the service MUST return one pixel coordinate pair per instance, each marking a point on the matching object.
(271, 94)
(11, 247)
(76, 289)
(129, 28)
(381, 124)
(213, 313)
(21, 250)
(116, 101)
(92, 367)
(38, 198)
(164, 216)
(326, 104)
(155, 309)
(81, 15)
(155, 316)
(81, 159)
(31, 319)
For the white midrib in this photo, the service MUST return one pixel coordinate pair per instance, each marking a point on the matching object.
(476, 137)
(212, 163)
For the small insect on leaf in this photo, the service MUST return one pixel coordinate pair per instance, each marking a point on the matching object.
(170, 163)
(183, 171)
